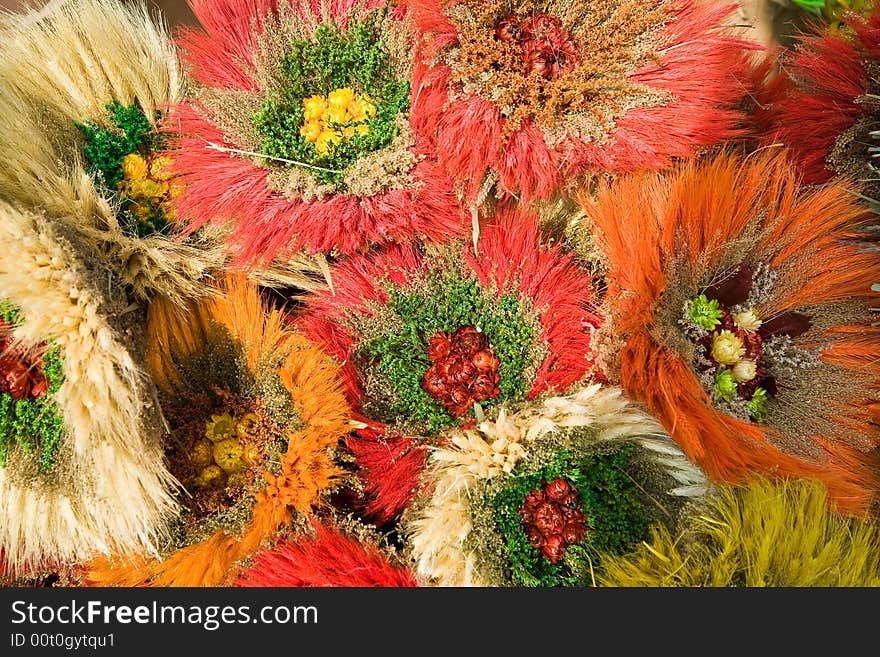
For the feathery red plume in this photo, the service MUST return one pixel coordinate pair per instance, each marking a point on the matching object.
(813, 96)
(701, 74)
(329, 559)
(226, 184)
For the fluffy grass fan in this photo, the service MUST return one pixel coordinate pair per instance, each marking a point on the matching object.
(761, 533)
(85, 85)
(256, 414)
(536, 497)
(81, 463)
(739, 310)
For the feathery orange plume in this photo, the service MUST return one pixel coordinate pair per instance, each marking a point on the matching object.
(670, 236)
(307, 468)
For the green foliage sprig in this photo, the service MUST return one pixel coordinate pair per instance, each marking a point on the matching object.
(757, 405)
(35, 424)
(705, 312)
(105, 148)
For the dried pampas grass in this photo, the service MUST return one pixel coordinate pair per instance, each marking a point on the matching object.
(79, 55)
(63, 65)
(108, 489)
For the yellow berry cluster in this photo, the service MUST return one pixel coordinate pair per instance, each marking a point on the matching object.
(150, 186)
(343, 108)
(222, 456)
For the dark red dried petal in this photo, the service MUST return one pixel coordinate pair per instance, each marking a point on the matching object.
(485, 387)
(566, 59)
(767, 381)
(454, 379)
(791, 324)
(461, 370)
(17, 380)
(571, 514)
(6, 364)
(549, 518)
(727, 323)
(753, 343)
(469, 341)
(485, 360)
(509, 30)
(460, 410)
(734, 288)
(459, 395)
(545, 513)
(543, 25)
(572, 501)
(535, 537)
(434, 383)
(39, 388)
(540, 61)
(573, 533)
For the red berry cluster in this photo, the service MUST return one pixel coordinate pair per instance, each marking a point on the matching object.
(552, 518)
(547, 48)
(20, 375)
(464, 370)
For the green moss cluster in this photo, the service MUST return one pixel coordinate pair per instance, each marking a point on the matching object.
(614, 506)
(8, 313)
(333, 58)
(34, 424)
(447, 303)
(757, 405)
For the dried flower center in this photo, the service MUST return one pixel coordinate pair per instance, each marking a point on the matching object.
(225, 453)
(29, 380)
(21, 375)
(339, 116)
(547, 48)
(123, 157)
(731, 351)
(149, 187)
(566, 66)
(463, 371)
(337, 96)
(552, 518)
